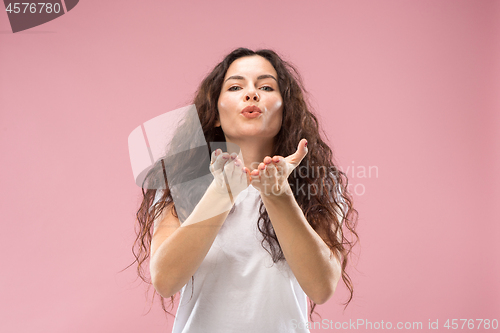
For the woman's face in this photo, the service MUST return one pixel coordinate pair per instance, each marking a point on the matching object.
(250, 81)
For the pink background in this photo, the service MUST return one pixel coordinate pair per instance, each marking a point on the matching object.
(410, 87)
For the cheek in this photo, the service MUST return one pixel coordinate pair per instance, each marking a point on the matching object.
(221, 107)
(279, 104)
(222, 115)
(221, 104)
(278, 114)
(226, 101)
(224, 108)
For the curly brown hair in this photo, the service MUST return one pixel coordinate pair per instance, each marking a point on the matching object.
(330, 184)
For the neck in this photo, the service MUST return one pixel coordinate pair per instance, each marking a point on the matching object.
(253, 151)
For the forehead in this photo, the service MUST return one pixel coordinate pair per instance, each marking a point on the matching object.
(250, 66)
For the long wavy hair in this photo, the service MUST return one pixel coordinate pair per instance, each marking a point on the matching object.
(327, 187)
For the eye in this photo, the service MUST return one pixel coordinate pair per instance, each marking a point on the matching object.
(268, 88)
(231, 89)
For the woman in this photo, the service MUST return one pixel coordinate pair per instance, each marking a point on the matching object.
(265, 234)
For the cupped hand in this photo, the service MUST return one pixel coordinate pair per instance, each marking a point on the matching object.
(230, 174)
(271, 176)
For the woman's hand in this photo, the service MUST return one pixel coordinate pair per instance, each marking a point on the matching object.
(271, 176)
(230, 175)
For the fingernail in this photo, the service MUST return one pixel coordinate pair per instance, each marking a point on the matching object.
(305, 144)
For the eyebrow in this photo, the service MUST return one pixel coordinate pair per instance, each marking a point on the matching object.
(260, 77)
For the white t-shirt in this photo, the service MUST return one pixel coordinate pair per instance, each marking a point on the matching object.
(237, 287)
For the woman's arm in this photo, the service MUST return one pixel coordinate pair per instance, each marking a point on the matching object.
(178, 250)
(315, 266)
(312, 262)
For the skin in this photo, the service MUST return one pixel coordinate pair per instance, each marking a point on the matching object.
(253, 136)
(178, 250)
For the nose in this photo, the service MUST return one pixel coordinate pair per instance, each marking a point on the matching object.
(252, 95)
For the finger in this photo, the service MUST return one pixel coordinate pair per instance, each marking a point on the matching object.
(280, 164)
(267, 160)
(271, 171)
(255, 172)
(262, 170)
(277, 158)
(254, 178)
(238, 164)
(229, 167)
(226, 158)
(220, 161)
(299, 155)
(215, 153)
(248, 176)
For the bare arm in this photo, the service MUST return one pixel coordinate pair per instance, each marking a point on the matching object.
(312, 262)
(178, 250)
(315, 266)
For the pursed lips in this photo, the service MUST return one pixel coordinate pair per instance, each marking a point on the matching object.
(251, 109)
(251, 112)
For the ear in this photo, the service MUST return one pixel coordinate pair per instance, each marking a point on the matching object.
(217, 123)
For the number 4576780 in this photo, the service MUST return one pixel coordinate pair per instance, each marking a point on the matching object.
(471, 324)
(17, 7)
